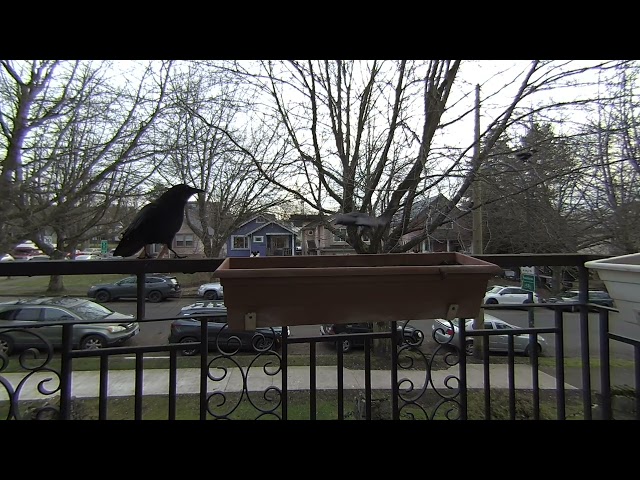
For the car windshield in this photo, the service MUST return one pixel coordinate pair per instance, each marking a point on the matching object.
(90, 310)
(495, 289)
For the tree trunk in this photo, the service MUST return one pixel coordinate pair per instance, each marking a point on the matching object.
(55, 284)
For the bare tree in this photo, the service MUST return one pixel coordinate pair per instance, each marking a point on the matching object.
(209, 109)
(72, 136)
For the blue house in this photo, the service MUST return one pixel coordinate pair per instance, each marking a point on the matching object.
(262, 236)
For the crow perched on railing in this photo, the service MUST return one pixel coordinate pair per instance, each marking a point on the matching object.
(156, 222)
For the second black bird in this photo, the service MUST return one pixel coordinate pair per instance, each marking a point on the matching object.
(156, 222)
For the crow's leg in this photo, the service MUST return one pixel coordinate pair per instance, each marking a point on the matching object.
(177, 256)
(164, 251)
(144, 253)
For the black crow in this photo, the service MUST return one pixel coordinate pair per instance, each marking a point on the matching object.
(156, 222)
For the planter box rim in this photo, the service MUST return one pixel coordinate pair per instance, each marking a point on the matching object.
(622, 263)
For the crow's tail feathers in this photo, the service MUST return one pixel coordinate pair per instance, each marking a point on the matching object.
(127, 248)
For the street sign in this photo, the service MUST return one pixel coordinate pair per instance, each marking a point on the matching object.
(104, 247)
(528, 278)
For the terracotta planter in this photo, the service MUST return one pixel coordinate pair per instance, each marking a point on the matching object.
(310, 290)
(621, 276)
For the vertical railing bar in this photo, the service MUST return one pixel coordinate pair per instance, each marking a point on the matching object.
(140, 295)
(139, 385)
(533, 358)
(583, 299)
(173, 382)
(313, 383)
(340, 367)
(204, 371)
(103, 393)
(487, 376)
(367, 377)
(463, 369)
(395, 343)
(512, 377)
(560, 388)
(285, 370)
(66, 371)
(605, 364)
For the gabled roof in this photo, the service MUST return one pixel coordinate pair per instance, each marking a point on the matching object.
(263, 225)
(267, 216)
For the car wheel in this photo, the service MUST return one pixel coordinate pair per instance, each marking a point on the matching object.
(210, 295)
(189, 352)
(154, 296)
(6, 345)
(527, 350)
(491, 301)
(92, 342)
(346, 346)
(103, 296)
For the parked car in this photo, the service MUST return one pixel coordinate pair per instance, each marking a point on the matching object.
(18, 314)
(39, 258)
(570, 298)
(410, 334)
(502, 295)
(157, 288)
(443, 330)
(211, 291)
(88, 256)
(187, 329)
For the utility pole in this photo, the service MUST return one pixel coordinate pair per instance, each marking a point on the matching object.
(476, 243)
(476, 188)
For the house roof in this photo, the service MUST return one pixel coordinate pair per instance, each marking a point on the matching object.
(267, 216)
(263, 225)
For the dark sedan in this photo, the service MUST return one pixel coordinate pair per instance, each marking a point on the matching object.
(410, 334)
(570, 302)
(187, 329)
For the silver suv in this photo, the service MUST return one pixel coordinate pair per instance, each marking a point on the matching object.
(37, 323)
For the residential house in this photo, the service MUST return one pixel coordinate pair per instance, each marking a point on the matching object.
(262, 236)
(454, 235)
(319, 240)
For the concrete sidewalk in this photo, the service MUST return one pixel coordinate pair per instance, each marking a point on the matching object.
(121, 383)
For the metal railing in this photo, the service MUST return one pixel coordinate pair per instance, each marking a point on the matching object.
(413, 390)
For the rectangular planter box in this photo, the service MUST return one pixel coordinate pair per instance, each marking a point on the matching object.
(621, 276)
(310, 290)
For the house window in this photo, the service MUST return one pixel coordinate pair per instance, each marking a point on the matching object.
(336, 238)
(184, 240)
(239, 242)
(258, 239)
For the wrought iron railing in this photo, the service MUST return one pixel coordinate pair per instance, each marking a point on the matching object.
(420, 385)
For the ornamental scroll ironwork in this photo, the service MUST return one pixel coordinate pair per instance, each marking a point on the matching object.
(35, 365)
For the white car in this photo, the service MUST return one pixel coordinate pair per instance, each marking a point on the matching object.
(211, 291)
(446, 332)
(7, 258)
(88, 256)
(502, 295)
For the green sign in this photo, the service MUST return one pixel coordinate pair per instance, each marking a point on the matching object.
(528, 282)
(104, 246)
